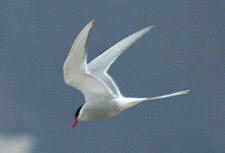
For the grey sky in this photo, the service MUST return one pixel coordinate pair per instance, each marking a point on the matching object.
(184, 50)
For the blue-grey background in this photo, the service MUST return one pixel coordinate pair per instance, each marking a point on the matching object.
(185, 50)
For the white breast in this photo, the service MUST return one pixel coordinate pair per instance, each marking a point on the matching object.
(99, 109)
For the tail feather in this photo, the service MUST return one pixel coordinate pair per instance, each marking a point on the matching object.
(127, 102)
(183, 92)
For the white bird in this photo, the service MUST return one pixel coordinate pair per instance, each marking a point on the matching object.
(102, 96)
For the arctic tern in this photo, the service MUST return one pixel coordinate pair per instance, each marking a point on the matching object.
(102, 96)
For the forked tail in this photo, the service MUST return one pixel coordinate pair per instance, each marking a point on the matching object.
(170, 95)
(128, 102)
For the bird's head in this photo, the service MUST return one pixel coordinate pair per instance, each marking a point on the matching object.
(76, 116)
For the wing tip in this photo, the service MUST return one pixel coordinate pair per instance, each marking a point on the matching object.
(92, 21)
(149, 28)
(145, 30)
(186, 91)
(90, 25)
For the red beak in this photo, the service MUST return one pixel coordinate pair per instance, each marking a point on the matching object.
(75, 123)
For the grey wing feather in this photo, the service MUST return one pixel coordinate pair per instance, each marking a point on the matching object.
(76, 73)
(100, 65)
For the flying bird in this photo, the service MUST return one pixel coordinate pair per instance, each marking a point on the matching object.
(102, 95)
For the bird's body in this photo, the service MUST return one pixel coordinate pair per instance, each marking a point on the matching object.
(108, 107)
(100, 109)
(102, 96)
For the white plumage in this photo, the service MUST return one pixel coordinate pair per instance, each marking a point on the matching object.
(102, 96)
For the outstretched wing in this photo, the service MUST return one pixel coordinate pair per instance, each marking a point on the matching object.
(75, 69)
(100, 65)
